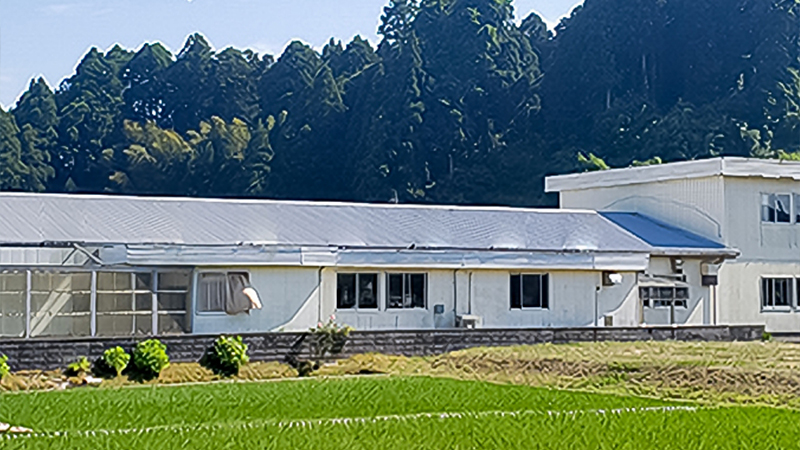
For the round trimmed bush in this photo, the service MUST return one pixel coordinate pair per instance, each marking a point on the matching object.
(148, 360)
(117, 359)
(226, 356)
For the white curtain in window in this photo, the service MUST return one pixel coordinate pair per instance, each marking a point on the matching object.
(212, 292)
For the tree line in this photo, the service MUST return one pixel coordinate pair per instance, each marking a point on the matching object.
(457, 104)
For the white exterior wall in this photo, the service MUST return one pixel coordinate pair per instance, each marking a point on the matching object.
(696, 204)
(740, 295)
(760, 242)
(768, 249)
(727, 210)
(293, 301)
(572, 301)
(289, 295)
(699, 307)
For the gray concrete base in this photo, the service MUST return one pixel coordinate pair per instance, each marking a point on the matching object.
(49, 354)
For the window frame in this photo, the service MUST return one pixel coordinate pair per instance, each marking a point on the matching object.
(226, 274)
(650, 301)
(134, 291)
(545, 302)
(387, 287)
(772, 202)
(356, 307)
(792, 287)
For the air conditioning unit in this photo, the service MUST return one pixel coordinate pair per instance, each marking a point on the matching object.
(469, 321)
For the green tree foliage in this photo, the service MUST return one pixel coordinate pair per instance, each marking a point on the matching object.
(459, 103)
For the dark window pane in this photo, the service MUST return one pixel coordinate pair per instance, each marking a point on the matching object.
(682, 293)
(114, 302)
(770, 296)
(144, 324)
(666, 293)
(516, 291)
(782, 292)
(767, 210)
(114, 324)
(81, 302)
(113, 281)
(172, 302)
(144, 281)
(545, 291)
(173, 281)
(417, 290)
(144, 302)
(531, 291)
(172, 323)
(367, 287)
(395, 289)
(345, 291)
(783, 213)
(644, 293)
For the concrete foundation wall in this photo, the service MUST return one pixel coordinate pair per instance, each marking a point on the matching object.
(37, 354)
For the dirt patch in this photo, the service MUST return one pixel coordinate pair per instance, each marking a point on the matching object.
(176, 373)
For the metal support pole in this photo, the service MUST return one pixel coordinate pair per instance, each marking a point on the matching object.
(93, 305)
(27, 303)
(154, 288)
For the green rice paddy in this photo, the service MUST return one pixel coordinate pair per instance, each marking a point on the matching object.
(381, 412)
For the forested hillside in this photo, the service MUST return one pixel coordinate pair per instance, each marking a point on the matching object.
(457, 104)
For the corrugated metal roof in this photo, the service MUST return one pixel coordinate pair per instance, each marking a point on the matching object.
(721, 166)
(96, 219)
(664, 236)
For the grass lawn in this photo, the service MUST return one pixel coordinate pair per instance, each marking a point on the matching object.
(385, 412)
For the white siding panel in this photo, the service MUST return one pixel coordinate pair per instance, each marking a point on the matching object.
(289, 298)
(695, 204)
(740, 297)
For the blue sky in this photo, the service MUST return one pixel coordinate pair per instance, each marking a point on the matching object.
(49, 37)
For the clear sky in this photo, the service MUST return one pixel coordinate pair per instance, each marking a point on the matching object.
(49, 37)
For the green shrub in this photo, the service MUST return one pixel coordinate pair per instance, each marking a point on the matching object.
(148, 360)
(79, 368)
(329, 338)
(117, 359)
(4, 369)
(226, 356)
(766, 337)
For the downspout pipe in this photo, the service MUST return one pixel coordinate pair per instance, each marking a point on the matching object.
(319, 294)
(596, 305)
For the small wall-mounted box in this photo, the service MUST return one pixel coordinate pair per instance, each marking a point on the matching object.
(469, 321)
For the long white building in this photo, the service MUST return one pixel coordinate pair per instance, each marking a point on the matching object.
(94, 266)
(751, 205)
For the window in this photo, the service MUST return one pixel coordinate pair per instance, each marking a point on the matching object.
(61, 304)
(12, 304)
(356, 290)
(796, 202)
(530, 291)
(124, 303)
(172, 289)
(776, 208)
(228, 292)
(776, 293)
(406, 290)
(664, 297)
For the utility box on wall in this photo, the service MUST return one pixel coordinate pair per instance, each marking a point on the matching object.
(469, 321)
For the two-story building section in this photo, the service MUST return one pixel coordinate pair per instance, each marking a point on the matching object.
(752, 205)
